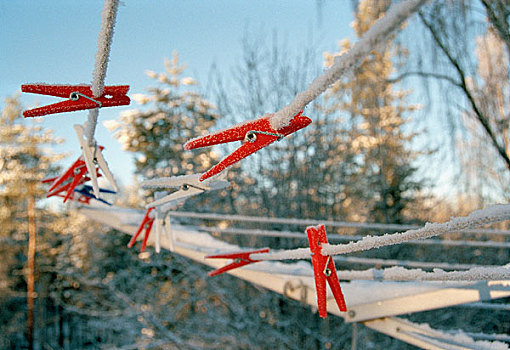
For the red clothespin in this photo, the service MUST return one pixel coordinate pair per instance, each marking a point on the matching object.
(80, 97)
(240, 259)
(324, 270)
(255, 135)
(147, 222)
(67, 182)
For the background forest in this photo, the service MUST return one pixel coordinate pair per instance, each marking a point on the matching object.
(372, 154)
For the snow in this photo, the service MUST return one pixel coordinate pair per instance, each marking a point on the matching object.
(477, 218)
(459, 339)
(398, 273)
(376, 35)
(104, 44)
(404, 263)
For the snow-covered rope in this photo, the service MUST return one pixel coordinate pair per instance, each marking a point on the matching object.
(398, 273)
(104, 44)
(314, 222)
(484, 336)
(404, 263)
(477, 218)
(376, 35)
(299, 235)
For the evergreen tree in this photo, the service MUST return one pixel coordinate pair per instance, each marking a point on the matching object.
(377, 115)
(23, 164)
(175, 114)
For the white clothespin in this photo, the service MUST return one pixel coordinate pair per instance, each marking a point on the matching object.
(92, 155)
(169, 233)
(158, 220)
(189, 185)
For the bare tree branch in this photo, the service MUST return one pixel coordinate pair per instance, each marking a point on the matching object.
(481, 117)
(498, 17)
(424, 75)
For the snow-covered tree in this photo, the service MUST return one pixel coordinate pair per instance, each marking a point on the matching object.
(376, 115)
(173, 113)
(462, 61)
(23, 164)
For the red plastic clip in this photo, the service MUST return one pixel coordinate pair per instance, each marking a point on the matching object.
(255, 135)
(324, 270)
(75, 176)
(240, 259)
(80, 97)
(67, 182)
(147, 222)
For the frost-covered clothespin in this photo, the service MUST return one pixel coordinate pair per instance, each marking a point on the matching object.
(169, 233)
(162, 224)
(324, 270)
(147, 222)
(154, 217)
(255, 135)
(240, 259)
(79, 97)
(189, 185)
(74, 176)
(93, 157)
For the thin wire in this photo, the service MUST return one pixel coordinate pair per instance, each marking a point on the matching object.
(477, 218)
(75, 96)
(293, 235)
(104, 44)
(486, 306)
(313, 222)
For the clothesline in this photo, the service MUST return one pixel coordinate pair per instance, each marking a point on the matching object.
(378, 34)
(299, 235)
(477, 218)
(312, 222)
(108, 17)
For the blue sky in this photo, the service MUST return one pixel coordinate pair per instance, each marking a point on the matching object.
(55, 42)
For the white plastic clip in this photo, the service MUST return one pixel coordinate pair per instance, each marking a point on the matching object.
(92, 155)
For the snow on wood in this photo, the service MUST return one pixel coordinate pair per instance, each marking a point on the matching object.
(424, 336)
(398, 273)
(376, 35)
(296, 281)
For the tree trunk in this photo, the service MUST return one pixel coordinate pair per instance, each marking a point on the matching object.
(31, 270)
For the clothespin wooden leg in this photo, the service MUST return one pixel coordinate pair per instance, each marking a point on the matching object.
(324, 270)
(135, 236)
(147, 224)
(147, 233)
(169, 233)
(159, 224)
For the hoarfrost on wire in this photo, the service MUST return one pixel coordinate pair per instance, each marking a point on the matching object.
(104, 43)
(477, 218)
(376, 35)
